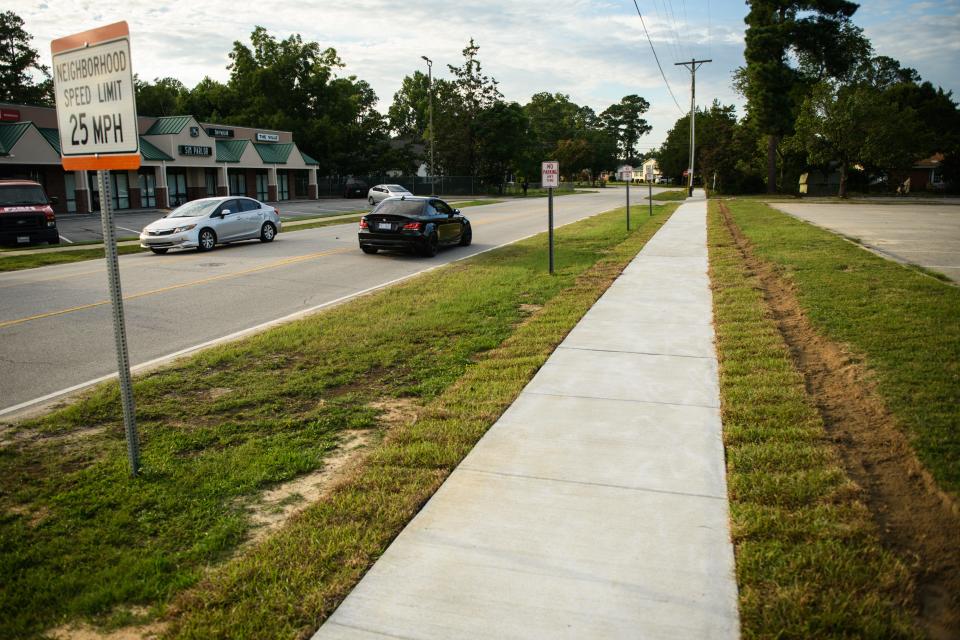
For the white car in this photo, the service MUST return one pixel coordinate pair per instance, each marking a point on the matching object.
(203, 224)
(384, 191)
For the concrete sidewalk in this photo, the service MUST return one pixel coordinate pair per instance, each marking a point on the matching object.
(596, 507)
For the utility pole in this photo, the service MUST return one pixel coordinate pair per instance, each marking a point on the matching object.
(693, 65)
(433, 191)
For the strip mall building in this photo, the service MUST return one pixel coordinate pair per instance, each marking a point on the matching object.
(181, 159)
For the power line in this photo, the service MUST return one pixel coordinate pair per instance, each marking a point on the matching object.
(655, 57)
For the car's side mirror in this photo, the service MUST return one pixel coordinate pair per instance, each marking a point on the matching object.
(54, 199)
(456, 212)
(225, 212)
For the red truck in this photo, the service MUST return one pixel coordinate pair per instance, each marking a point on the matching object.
(26, 214)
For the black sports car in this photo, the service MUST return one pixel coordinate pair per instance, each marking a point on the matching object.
(413, 223)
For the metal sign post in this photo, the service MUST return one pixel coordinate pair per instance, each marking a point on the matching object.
(550, 177)
(628, 176)
(119, 326)
(650, 196)
(97, 121)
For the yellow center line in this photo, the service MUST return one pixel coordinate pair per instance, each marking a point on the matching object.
(143, 294)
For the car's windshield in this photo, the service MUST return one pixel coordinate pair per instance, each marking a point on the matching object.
(21, 195)
(400, 207)
(396, 187)
(194, 209)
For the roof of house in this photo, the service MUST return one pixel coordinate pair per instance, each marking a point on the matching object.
(932, 162)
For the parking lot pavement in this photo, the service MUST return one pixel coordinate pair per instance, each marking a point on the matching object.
(927, 235)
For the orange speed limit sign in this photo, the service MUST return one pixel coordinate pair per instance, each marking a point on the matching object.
(96, 109)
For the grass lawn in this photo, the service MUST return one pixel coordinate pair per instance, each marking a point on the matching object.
(809, 561)
(673, 194)
(903, 322)
(81, 541)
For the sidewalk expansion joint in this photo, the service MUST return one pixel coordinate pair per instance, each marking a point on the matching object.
(523, 476)
(638, 353)
(605, 399)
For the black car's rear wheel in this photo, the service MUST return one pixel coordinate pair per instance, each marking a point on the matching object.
(369, 250)
(432, 245)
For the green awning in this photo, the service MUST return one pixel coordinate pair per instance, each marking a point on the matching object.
(168, 125)
(230, 150)
(149, 151)
(274, 153)
(307, 159)
(52, 136)
(10, 134)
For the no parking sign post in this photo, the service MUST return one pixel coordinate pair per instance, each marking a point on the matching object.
(550, 178)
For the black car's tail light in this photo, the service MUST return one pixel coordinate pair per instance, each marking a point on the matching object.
(363, 223)
(413, 226)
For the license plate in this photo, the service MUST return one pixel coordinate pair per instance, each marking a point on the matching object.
(23, 238)
(385, 225)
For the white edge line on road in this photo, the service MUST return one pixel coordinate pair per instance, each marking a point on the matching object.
(237, 335)
(68, 240)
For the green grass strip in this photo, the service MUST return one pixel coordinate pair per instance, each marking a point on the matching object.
(809, 562)
(673, 195)
(906, 325)
(80, 540)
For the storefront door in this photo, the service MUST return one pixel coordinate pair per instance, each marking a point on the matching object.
(177, 186)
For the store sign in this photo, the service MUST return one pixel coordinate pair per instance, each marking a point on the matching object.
(268, 137)
(218, 132)
(194, 132)
(195, 150)
(9, 115)
(550, 174)
(96, 110)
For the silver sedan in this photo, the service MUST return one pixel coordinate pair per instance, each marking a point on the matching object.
(205, 223)
(384, 191)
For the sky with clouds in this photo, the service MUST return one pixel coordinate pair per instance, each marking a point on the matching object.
(593, 50)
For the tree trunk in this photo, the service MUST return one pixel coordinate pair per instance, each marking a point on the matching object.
(772, 141)
(843, 180)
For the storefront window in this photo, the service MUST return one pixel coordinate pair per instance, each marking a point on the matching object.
(210, 175)
(148, 190)
(283, 186)
(177, 187)
(120, 198)
(238, 184)
(70, 183)
(262, 189)
(300, 184)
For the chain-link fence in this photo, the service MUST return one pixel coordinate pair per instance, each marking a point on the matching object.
(337, 186)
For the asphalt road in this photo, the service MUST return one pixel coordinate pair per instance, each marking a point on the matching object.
(56, 328)
(924, 234)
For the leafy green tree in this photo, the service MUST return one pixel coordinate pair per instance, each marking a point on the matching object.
(625, 122)
(818, 35)
(292, 85)
(475, 92)
(162, 98)
(409, 114)
(857, 124)
(501, 131)
(209, 101)
(20, 66)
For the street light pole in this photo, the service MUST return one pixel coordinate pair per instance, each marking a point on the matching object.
(430, 84)
(693, 65)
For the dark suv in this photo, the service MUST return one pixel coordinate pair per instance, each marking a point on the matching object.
(26, 216)
(355, 188)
